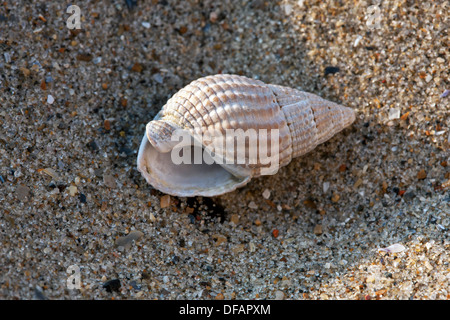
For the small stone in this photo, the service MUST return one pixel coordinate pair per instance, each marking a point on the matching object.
(279, 295)
(421, 175)
(288, 9)
(85, 57)
(310, 204)
(107, 125)
(357, 183)
(238, 248)
(404, 116)
(394, 113)
(183, 30)
(73, 190)
(22, 192)
(50, 99)
(213, 16)
(127, 241)
(92, 145)
(335, 197)
(158, 78)
(112, 285)
(252, 205)
(7, 57)
(26, 72)
(318, 230)
(220, 296)
(164, 201)
(326, 186)
(266, 194)
(219, 239)
(82, 198)
(235, 219)
(324, 296)
(331, 70)
(52, 173)
(146, 25)
(109, 181)
(137, 67)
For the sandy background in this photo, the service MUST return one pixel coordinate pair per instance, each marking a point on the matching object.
(74, 105)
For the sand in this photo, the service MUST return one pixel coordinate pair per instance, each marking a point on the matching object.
(79, 222)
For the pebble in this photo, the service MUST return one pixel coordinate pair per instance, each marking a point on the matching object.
(72, 190)
(109, 181)
(164, 201)
(7, 57)
(213, 16)
(22, 192)
(146, 25)
(395, 248)
(279, 295)
(357, 40)
(252, 205)
(331, 70)
(235, 219)
(326, 186)
(266, 194)
(52, 173)
(335, 197)
(82, 198)
(50, 99)
(421, 174)
(220, 296)
(318, 229)
(219, 239)
(112, 285)
(394, 113)
(158, 78)
(127, 241)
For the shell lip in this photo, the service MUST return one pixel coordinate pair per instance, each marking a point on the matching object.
(184, 180)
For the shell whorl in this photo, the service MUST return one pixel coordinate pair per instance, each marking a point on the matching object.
(221, 102)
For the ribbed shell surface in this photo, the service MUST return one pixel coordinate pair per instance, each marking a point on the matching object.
(216, 103)
(220, 102)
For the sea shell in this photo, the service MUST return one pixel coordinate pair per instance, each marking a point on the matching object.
(287, 121)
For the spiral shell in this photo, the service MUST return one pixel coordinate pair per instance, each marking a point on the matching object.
(293, 121)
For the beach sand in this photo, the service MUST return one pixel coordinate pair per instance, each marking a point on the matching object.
(78, 221)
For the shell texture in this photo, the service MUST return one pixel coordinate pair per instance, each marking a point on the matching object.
(295, 122)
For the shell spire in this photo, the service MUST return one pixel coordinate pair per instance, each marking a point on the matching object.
(241, 127)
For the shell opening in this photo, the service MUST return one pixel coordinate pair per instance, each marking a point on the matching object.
(185, 180)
